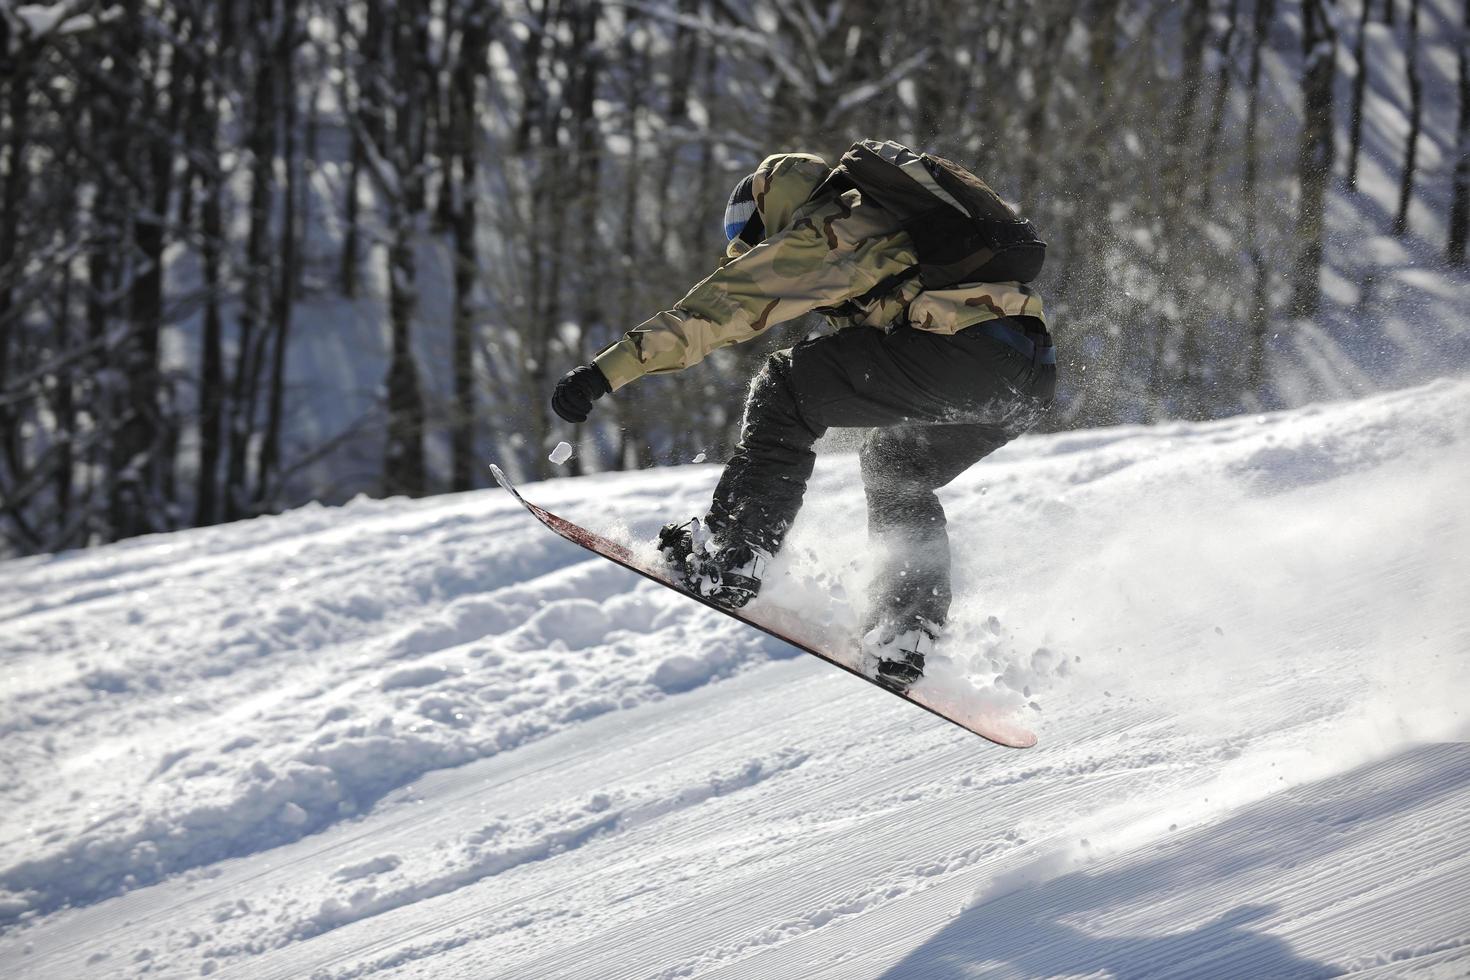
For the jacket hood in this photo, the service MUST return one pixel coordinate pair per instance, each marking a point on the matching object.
(783, 183)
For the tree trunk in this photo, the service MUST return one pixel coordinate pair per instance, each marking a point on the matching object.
(17, 85)
(1416, 117)
(211, 363)
(460, 144)
(347, 271)
(1460, 206)
(403, 466)
(1209, 158)
(136, 458)
(1258, 316)
(1085, 233)
(347, 274)
(1360, 88)
(586, 177)
(444, 120)
(556, 214)
(1314, 154)
(396, 70)
(101, 274)
(535, 96)
(1196, 30)
(304, 218)
(285, 285)
(410, 39)
(1053, 35)
(632, 449)
(64, 405)
(245, 386)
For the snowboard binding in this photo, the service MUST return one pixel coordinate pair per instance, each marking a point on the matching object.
(726, 574)
(897, 654)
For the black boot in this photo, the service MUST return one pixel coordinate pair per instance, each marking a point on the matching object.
(676, 544)
(728, 574)
(899, 650)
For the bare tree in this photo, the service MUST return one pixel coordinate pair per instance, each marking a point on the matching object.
(284, 284)
(462, 146)
(1460, 206)
(1191, 81)
(1056, 24)
(137, 462)
(1258, 315)
(258, 264)
(349, 90)
(1360, 88)
(1416, 118)
(1224, 53)
(1314, 153)
(16, 84)
(399, 172)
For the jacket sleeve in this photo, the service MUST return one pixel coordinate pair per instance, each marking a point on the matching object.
(831, 253)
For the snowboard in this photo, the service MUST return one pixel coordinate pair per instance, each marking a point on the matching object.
(964, 709)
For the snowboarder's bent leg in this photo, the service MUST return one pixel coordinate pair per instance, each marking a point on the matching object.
(972, 391)
(993, 393)
(763, 484)
(902, 467)
(759, 492)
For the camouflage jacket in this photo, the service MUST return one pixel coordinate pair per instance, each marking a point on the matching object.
(830, 255)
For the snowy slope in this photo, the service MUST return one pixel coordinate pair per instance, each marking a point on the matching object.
(431, 739)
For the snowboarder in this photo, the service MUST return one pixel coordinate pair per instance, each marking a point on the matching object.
(941, 350)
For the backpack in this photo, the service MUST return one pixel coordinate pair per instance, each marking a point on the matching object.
(961, 229)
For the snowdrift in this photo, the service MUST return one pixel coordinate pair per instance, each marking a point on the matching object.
(430, 738)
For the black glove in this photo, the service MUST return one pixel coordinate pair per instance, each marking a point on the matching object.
(576, 392)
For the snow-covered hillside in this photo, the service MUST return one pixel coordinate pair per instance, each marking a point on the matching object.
(431, 739)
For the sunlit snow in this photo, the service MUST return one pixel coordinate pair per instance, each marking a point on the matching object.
(429, 738)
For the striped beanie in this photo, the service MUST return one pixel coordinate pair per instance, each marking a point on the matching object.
(742, 220)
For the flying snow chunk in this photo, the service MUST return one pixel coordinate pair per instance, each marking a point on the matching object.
(561, 453)
(699, 458)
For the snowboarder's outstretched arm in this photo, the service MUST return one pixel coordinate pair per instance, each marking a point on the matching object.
(816, 253)
(834, 250)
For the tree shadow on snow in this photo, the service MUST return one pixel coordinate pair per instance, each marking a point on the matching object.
(1024, 932)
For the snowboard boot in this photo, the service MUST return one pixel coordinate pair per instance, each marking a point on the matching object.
(726, 574)
(899, 651)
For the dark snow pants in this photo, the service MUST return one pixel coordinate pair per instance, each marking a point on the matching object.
(935, 404)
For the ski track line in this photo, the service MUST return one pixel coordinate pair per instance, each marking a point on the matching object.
(799, 797)
(479, 914)
(394, 821)
(834, 908)
(1165, 909)
(1449, 962)
(952, 843)
(942, 826)
(506, 905)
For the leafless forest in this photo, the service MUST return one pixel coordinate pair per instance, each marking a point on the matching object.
(186, 185)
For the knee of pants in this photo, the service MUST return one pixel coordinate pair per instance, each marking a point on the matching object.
(873, 461)
(885, 463)
(770, 395)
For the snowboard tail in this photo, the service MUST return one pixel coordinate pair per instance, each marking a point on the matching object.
(788, 628)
